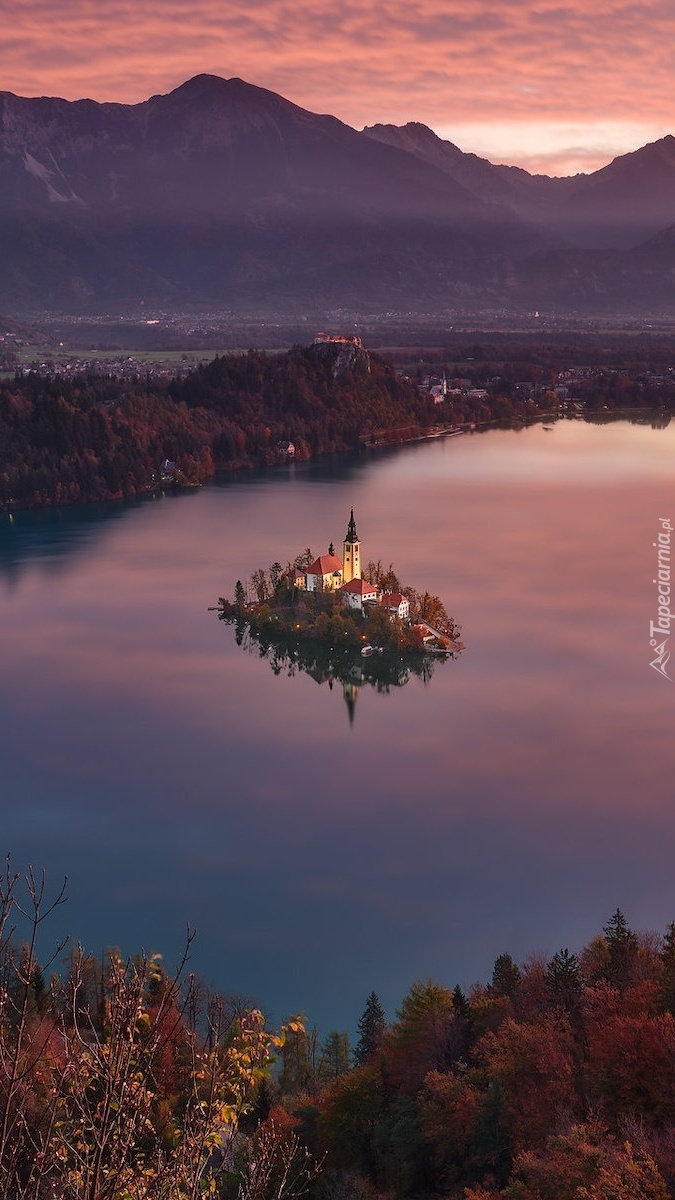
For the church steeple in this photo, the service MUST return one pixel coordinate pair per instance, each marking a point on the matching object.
(352, 535)
(351, 552)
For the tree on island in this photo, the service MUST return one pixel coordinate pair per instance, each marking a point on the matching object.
(386, 580)
(283, 608)
(239, 595)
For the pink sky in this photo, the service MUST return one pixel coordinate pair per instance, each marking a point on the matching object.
(548, 85)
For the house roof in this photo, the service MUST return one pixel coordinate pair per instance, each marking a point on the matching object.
(392, 599)
(325, 564)
(360, 587)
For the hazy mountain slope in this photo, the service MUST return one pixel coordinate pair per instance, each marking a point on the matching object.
(625, 202)
(211, 147)
(227, 195)
(222, 192)
(530, 195)
(620, 205)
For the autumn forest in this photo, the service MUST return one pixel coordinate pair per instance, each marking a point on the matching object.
(72, 438)
(94, 437)
(119, 1081)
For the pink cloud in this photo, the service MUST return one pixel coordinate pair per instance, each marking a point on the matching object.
(444, 63)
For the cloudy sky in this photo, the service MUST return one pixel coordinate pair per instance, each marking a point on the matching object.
(549, 85)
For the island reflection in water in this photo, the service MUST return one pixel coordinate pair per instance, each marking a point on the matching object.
(510, 806)
(329, 664)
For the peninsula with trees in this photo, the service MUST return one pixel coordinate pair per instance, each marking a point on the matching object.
(67, 440)
(82, 431)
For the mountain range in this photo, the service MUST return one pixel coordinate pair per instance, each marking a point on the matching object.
(225, 195)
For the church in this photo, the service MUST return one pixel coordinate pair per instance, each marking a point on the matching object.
(328, 573)
(343, 577)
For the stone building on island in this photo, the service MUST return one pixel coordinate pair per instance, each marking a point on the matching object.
(328, 573)
(325, 573)
(357, 593)
(342, 578)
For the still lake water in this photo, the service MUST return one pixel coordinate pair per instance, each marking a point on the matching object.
(510, 804)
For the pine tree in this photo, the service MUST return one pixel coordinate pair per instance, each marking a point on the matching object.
(622, 945)
(505, 976)
(334, 1060)
(371, 1031)
(460, 1003)
(563, 979)
(667, 983)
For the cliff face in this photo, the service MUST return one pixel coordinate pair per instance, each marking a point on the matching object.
(342, 353)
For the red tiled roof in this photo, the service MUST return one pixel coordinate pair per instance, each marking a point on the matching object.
(325, 564)
(392, 599)
(360, 587)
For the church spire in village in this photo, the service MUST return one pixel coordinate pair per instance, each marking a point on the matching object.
(351, 553)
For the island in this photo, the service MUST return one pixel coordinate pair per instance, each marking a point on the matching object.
(331, 600)
(339, 621)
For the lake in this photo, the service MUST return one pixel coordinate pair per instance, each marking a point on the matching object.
(511, 803)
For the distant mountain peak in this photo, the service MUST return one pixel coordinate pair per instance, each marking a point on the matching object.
(415, 127)
(206, 84)
(210, 87)
(224, 192)
(659, 152)
(663, 148)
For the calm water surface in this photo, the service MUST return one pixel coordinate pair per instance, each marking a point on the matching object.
(510, 804)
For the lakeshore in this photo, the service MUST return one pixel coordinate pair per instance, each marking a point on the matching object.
(233, 786)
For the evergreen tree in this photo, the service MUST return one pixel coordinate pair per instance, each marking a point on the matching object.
(505, 976)
(667, 981)
(563, 979)
(622, 945)
(334, 1059)
(371, 1031)
(460, 1003)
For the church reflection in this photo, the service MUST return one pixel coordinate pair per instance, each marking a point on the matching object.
(346, 668)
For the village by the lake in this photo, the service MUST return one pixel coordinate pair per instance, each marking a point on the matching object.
(342, 620)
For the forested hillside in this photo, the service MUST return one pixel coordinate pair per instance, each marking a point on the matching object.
(91, 437)
(554, 1081)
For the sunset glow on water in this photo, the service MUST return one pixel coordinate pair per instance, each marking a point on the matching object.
(509, 805)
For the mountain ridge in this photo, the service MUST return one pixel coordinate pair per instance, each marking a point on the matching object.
(223, 193)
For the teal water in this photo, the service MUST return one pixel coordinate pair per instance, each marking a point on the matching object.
(509, 804)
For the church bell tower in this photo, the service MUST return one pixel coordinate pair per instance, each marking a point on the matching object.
(351, 553)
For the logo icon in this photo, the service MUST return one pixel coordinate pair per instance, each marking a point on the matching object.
(662, 655)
